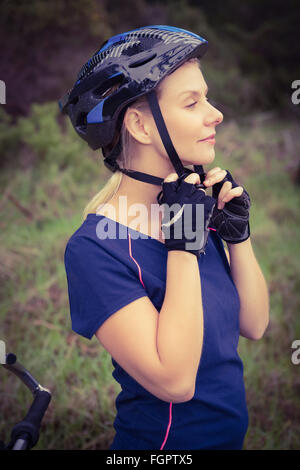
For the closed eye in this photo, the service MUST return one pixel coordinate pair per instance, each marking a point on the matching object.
(195, 102)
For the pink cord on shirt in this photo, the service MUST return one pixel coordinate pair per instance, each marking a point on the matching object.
(170, 409)
(168, 428)
(140, 275)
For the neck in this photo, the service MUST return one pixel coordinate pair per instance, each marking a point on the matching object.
(147, 161)
(137, 199)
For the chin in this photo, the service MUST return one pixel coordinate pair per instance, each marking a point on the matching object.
(205, 160)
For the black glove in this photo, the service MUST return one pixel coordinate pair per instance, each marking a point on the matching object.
(231, 222)
(182, 225)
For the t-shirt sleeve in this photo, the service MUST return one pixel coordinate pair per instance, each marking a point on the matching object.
(99, 284)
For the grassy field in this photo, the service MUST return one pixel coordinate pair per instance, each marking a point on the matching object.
(48, 178)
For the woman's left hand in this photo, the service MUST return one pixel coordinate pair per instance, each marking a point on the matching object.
(231, 215)
(225, 192)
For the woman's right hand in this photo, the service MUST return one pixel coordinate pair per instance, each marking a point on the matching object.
(185, 222)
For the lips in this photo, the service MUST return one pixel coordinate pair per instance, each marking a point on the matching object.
(212, 136)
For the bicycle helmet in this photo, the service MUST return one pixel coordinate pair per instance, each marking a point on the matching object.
(137, 61)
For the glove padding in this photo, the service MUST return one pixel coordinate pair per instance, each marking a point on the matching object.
(183, 220)
(232, 222)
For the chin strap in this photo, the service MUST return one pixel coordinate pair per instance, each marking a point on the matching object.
(110, 160)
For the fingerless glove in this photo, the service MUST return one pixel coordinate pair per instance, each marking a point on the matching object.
(231, 222)
(187, 214)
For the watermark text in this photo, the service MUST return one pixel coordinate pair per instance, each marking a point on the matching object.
(296, 354)
(168, 219)
(2, 92)
(296, 94)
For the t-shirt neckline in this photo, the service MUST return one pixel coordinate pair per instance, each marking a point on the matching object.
(92, 215)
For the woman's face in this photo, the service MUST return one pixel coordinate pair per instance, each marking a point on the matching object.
(188, 115)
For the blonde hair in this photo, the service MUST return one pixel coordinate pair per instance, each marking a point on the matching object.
(112, 185)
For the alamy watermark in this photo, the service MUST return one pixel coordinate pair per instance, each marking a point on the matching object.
(171, 216)
(296, 94)
(2, 352)
(2, 92)
(295, 358)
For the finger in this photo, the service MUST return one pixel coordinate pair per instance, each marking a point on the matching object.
(215, 178)
(212, 171)
(235, 192)
(224, 190)
(193, 178)
(171, 177)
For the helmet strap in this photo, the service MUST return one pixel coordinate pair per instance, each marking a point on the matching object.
(166, 140)
(163, 131)
(110, 160)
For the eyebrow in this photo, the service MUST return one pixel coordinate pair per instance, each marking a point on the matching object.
(193, 92)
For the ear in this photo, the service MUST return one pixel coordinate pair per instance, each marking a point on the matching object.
(138, 125)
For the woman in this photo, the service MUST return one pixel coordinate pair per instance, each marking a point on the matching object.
(169, 312)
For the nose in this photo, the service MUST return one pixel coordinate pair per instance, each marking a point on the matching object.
(214, 116)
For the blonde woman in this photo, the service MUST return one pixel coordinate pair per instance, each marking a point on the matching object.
(158, 290)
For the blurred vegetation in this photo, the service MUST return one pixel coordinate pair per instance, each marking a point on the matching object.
(48, 175)
(252, 60)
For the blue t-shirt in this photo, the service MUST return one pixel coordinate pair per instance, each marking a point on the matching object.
(103, 276)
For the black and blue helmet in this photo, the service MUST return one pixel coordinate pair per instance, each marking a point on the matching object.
(135, 61)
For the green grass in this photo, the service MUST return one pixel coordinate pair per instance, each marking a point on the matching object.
(53, 176)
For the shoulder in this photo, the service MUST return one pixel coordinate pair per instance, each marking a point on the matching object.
(106, 260)
(84, 250)
(77, 246)
(87, 239)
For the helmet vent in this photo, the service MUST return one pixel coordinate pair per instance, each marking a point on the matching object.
(108, 86)
(142, 61)
(81, 123)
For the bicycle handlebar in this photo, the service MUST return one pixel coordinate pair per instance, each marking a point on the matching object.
(25, 434)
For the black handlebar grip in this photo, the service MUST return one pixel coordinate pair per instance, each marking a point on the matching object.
(32, 421)
(38, 407)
